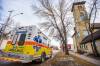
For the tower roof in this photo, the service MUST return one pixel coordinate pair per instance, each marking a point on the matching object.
(77, 3)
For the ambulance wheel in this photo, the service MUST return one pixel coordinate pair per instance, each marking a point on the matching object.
(50, 56)
(43, 57)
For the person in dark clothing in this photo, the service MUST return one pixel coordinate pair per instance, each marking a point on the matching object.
(35, 38)
(38, 39)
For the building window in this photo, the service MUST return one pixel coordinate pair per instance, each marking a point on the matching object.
(78, 34)
(86, 47)
(81, 46)
(85, 33)
(82, 16)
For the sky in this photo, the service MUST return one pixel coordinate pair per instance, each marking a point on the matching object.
(20, 6)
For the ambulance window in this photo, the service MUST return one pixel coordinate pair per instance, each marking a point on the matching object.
(20, 28)
(21, 39)
(28, 38)
(30, 29)
(29, 34)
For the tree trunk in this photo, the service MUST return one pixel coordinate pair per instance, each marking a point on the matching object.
(65, 47)
(94, 45)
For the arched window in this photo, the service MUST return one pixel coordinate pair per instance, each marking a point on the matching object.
(83, 16)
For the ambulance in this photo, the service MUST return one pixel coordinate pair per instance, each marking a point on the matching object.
(27, 44)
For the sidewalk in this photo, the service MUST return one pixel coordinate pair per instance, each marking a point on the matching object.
(88, 59)
(61, 59)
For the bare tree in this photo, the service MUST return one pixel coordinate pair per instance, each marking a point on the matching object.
(91, 18)
(55, 13)
(4, 34)
(93, 15)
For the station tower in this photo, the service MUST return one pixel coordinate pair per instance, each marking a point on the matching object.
(81, 22)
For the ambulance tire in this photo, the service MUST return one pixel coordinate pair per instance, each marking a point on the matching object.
(50, 56)
(43, 57)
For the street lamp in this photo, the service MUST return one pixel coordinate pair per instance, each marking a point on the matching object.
(7, 22)
(10, 17)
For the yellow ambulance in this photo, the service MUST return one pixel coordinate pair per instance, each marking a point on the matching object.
(26, 44)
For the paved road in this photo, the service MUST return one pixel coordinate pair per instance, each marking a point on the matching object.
(21, 64)
(6, 63)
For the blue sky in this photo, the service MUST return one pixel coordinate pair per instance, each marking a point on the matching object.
(1, 8)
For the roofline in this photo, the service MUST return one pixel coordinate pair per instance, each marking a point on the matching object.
(96, 36)
(95, 25)
(77, 3)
